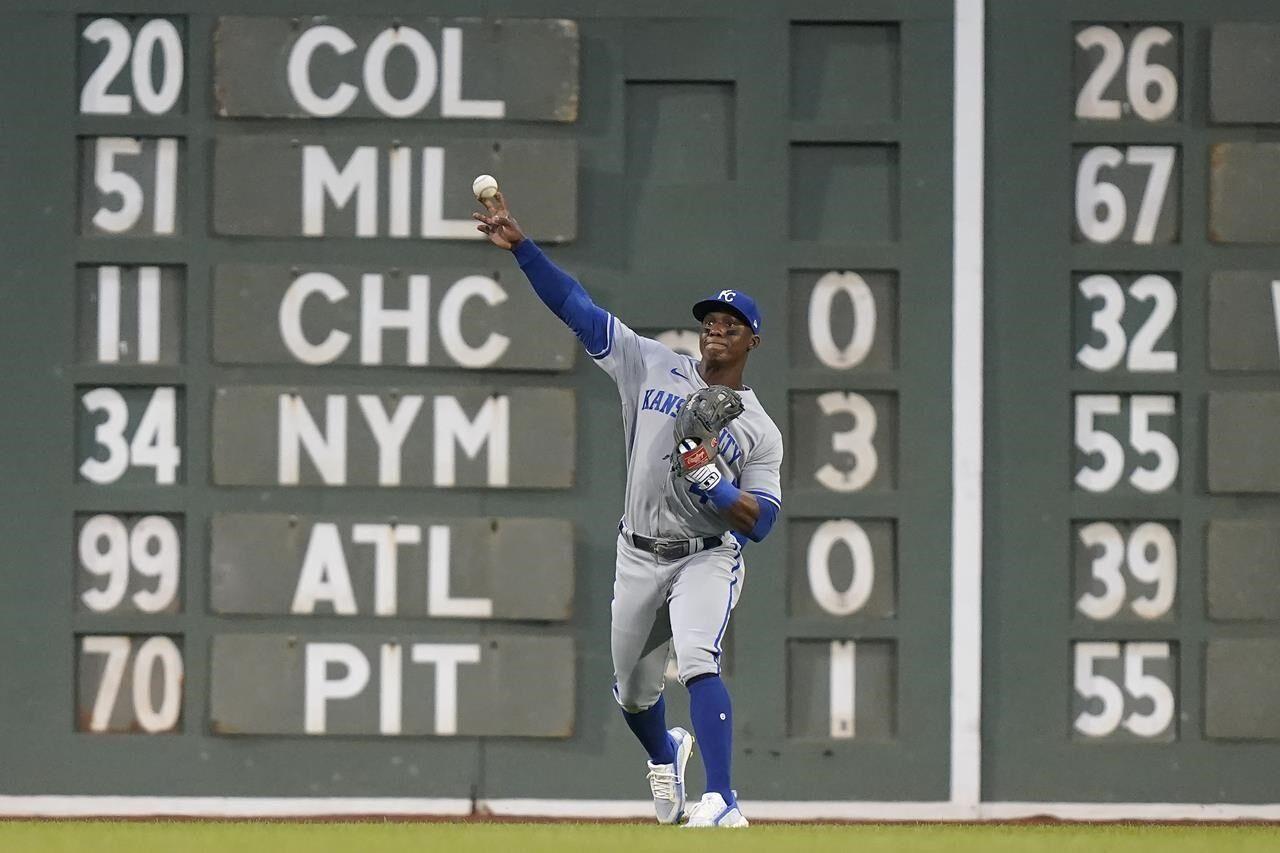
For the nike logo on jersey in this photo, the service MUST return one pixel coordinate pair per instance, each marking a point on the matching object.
(675, 372)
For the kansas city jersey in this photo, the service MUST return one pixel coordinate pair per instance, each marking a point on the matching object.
(652, 382)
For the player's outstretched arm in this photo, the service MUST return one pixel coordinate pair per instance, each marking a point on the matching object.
(558, 290)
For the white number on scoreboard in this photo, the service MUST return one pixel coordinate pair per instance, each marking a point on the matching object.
(1150, 87)
(1124, 691)
(117, 555)
(129, 683)
(156, 67)
(130, 186)
(1150, 455)
(111, 453)
(1126, 191)
(1132, 571)
(1108, 346)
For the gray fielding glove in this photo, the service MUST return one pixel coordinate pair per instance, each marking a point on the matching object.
(697, 433)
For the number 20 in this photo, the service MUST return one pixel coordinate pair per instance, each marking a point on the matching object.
(94, 98)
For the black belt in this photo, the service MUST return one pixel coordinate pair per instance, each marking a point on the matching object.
(672, 549)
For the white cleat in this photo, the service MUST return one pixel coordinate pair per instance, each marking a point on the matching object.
(667, 780)
(712, 811)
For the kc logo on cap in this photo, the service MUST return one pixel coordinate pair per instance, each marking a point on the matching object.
(733, 301)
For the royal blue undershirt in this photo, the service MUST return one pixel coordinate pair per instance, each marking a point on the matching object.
(567, 299)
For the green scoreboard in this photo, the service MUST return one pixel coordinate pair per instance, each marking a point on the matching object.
(1132, 486)
(306, 496)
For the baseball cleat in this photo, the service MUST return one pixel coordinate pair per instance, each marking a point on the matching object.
(712, 811)
(667, 780)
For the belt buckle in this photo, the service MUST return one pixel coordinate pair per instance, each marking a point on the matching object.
(670, 550)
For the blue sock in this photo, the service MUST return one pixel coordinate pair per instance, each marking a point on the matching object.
(712, 714)
(650, 727)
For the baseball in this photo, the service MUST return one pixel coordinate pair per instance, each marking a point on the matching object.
(484, 186)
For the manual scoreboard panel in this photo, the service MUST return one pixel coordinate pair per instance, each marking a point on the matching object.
(311, 496)
(1133, 352)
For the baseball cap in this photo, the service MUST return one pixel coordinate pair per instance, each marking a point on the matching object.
(733, 301)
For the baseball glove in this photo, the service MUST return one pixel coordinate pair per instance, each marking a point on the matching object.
(697, 428)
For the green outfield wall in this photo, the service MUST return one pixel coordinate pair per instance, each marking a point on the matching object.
(304, 494)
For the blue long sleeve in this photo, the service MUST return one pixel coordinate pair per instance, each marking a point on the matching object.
(567, 299)
(725, 494)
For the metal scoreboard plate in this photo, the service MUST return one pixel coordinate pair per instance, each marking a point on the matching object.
(464, 437)
(1241, 428)
(451, 317)
(512, 69)
(1244, 179)
(414, 184)
(411, 567)
(454, 685)
(1242, 688)
(1244, 87)
(1243, 568)
(1244, 323)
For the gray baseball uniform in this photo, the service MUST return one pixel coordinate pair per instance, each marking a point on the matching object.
(688, 600)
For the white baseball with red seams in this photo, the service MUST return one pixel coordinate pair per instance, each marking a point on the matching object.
(484, 186)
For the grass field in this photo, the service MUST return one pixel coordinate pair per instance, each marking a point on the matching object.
(429, 837)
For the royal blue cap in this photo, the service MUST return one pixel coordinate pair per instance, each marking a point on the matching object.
(733, 301)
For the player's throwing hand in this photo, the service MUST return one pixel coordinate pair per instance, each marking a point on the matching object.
(502, 230)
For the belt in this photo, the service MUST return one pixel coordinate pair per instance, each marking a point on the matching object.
(671, 549)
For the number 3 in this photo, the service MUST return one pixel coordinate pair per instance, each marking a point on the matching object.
(856, 441)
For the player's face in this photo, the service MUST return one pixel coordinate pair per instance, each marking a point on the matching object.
(725, 338)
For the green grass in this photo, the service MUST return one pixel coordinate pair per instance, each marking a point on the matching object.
(424, 837)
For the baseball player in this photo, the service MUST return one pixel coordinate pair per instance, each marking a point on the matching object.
(703, 476)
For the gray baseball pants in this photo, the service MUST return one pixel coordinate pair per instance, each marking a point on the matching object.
(658, 602)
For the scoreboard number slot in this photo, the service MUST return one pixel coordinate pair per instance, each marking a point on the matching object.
(1110, 345)
(158, 39)
(863, 334)
(1154, 467)
(124, 169)
(856, 442)
(152, 444)
(1110, 180)
(851, 599)
(841, 689)
(129, 684)
(1150, 87)
(129, 314)
(1124, 690)
(122, 552)
(1136, 567)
